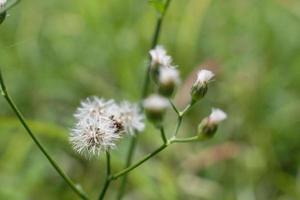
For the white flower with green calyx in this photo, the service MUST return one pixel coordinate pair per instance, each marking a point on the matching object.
(155, 107)
(199, 88)
(168, 80)
(209, 125)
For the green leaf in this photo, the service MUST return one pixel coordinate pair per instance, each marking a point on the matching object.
(8, 5)
(159, 5)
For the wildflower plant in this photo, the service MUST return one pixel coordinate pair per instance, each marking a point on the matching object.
(102, 123)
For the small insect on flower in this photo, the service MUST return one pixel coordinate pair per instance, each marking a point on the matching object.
(95, 130)
(209, 125)
(199, 88)
(159, 57)
(132, 117)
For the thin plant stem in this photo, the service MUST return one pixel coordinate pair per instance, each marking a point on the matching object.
(147, 157)
(158, 150)
(179, 121)
(174, 107)
(163, 134)
(108, 174)
(145, 89)
(154, 42)
(19, 115)
(181, 115)
(128, 163)
(184, 140)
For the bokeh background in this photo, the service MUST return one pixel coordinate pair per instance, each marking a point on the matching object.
(55, 53)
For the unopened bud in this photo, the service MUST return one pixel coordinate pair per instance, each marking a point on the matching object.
(209, 125)
(168, 80)
(200, 87)
(155, 108)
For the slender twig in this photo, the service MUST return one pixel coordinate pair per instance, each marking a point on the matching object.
(155, 152)
(185, 140)
(128, 163)
(128, 169)
(179, 121)
(108, 179)
(174, 107)
(154, 42)
(163, 134)
(19, 115)
(145, 88)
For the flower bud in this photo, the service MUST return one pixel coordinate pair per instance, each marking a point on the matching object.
(199, 88)
(2, 3)
(155, 108)
(168, 80)
(159, 58)
(209, 125)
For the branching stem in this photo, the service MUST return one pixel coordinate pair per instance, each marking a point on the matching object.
(108, 178)
(21, 118)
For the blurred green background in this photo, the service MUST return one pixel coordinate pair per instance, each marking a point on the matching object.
(55, 53)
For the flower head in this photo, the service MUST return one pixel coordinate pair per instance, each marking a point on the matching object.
(204, 76)
(200, 87)
(217, 116)
(156, 102)
(2, 3)
(130, 116)
(168, 80)
(169, 75)
(209, 125)
(159, 57)
(155, 107)
(96, 130)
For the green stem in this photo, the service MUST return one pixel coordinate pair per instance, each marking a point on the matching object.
(184, 140)
(108, 179)
(128, 169)
(6, 95)
(154, 42)
(144, 91)
(128, 163)
(163, 135)
(174, 107)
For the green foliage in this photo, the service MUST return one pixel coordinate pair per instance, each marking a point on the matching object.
(55, 53)
(159, 5)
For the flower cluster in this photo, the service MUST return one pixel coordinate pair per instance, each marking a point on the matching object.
(163, 72)
(167, 79)
(101, 123)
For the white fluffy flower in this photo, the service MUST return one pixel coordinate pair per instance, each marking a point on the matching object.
(217, 116)
(156, 103)
(91, 136)
(131, 117)
(203, 77)
(159, 57)
(95, 130)
(93, 106)
(2, 3)
(169, 75)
